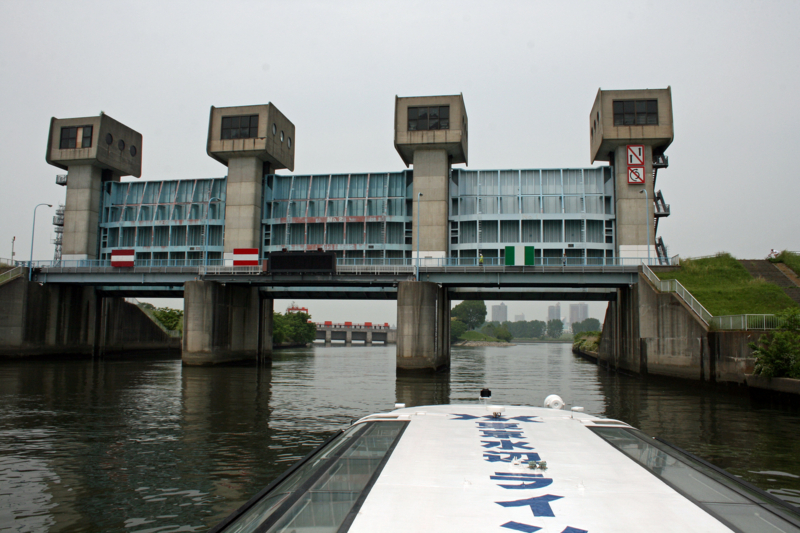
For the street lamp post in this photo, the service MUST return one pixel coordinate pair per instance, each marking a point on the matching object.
(33, 233)
(647, 221)
(418, 210)
(208, 215)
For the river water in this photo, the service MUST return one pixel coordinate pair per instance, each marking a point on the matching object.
(146, 445)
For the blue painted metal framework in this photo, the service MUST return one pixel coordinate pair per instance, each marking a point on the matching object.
(559, 211)
(163, 221)
(368, 216)
(354, 215)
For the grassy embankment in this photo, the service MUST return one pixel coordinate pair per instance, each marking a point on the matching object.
(724, 287)
(789, 259)
(588, 341)
(477, 336)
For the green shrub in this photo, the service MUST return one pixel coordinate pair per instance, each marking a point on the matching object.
(457, 329)
(588, 341)
(778, 354)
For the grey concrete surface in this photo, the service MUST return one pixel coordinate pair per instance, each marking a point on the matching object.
(648, 332)
(423, 326)
(225, 324)
(72, 320)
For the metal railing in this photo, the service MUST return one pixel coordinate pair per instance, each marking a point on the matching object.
(219, 269)
(8, 275)
(496, 261)
(726, 322)
(673, 285)
(747, 322)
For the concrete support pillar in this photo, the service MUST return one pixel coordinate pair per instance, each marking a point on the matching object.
(348, 338)
(221, 323)
(368, 342)
(431, 174)
(243, 203)
(423, 326)
(265, 333)
(328, 337)
(634, 213)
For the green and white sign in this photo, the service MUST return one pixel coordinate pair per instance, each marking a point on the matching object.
(519, 256)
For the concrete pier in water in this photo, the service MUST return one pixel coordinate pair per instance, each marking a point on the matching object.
(423, 326)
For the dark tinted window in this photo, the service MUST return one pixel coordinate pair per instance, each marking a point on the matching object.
(87, 137)
(635, 112)
(429, 118)
(741, 507)
(240, 127)
(68, 137)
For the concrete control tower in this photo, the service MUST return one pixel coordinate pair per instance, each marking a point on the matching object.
(430, 133)
(93, 150)
(252, 141)
(631, 129)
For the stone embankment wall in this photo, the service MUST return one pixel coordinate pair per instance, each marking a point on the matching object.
(37, 320)
(649, 332)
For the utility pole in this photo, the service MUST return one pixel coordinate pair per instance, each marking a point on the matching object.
(13, 240)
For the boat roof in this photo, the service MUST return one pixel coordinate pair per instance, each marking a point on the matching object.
(483, 467)
(458, 468)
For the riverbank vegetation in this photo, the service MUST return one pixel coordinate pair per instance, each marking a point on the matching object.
(171, 319)
(790, 259)
(587, 341)
(292, 328)
(778, 353)
(724, 287)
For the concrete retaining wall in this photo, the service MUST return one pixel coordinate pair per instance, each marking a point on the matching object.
(646, 331)
(51, 319)
(126, 328)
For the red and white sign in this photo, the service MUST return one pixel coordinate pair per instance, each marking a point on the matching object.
(635, 154)
(636, 175)
(122, 258)
(245, 257)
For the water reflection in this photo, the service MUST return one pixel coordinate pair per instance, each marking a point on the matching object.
(148, 445)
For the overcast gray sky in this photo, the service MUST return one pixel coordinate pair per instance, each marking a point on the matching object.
(529, 72)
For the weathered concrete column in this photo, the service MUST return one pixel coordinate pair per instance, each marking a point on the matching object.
(423, 322)
(265, 334)
(368, 342)
(348, 338)
(221, 323)
(328, 337)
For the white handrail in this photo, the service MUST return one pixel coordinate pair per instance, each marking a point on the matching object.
(8, 275)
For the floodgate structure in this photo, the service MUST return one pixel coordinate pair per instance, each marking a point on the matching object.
(426, 235)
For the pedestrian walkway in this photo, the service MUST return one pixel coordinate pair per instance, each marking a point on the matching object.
(773, 273)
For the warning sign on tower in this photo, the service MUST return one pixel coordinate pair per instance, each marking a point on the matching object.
(635, 154)
(636, 175)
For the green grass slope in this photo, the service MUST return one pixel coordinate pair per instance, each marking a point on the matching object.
(789, 259)
(724, 287)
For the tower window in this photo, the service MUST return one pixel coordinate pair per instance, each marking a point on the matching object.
(429, 118)
(635, 112)
(240, 127)
(69, 137)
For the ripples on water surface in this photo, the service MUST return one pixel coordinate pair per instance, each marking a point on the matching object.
(146, 445)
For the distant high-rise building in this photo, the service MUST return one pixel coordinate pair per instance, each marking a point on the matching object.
(554, 312)
(519, 318)
(578, 313)
(500, 313)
